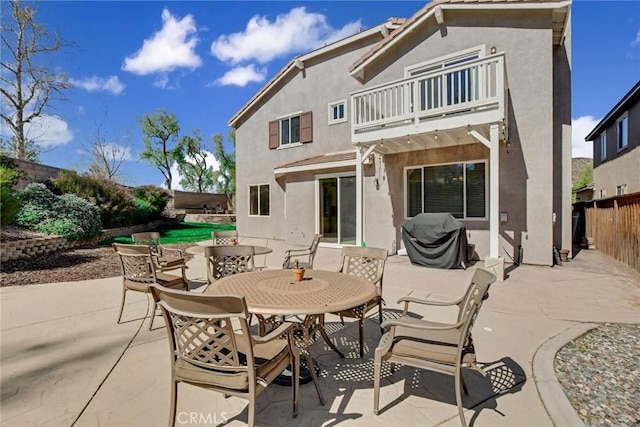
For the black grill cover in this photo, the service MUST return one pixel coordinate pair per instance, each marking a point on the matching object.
(436, 240)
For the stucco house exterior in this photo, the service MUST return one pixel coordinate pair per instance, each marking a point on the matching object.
(616, 148)
(465, 107)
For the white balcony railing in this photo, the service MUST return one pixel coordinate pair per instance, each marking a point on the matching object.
(471, 87)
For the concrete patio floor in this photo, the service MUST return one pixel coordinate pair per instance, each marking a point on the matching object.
(65, 361)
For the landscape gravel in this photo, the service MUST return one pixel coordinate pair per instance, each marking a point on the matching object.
(600, 374)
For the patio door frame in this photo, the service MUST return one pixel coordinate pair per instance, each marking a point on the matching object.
(318, 216)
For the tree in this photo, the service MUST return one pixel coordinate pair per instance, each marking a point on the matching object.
(107, 157)
(225, 176)
(158, 130)
(191, 156)
(226, 173)
(27, 84)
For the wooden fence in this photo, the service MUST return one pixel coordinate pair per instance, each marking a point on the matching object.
(614, 224)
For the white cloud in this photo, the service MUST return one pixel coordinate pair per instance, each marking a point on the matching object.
(212, 162)
(240, 76)
(99, 84)
(170, 48)
(263, 40)
(162, 81)
(636, 41)
(48, 131)
(580, 128)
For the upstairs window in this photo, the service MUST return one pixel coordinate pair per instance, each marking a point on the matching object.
(622, 125)
(621, 190)
(259, 200)
(603, 146)
(291, 130)
(338, 112)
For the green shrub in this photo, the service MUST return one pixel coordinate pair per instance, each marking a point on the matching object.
(9, 201)
(117, 206)
(68, 215)
(151, 201)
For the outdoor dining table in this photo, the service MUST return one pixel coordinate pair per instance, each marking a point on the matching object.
(277, 293)
(257, 250)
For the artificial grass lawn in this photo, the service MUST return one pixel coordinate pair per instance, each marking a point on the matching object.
(184, 232)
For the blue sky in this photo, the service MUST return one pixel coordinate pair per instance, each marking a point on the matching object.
(203, 60)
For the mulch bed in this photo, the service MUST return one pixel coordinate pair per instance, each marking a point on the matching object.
(82, 263)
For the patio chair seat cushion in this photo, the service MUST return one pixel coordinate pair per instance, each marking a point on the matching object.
(434, 345)
(267, 369)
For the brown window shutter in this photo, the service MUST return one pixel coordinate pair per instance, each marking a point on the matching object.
(274, 135)
(306, 127)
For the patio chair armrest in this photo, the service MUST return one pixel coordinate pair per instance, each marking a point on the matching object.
(419, 325)
(275, 333)
(407, 300)
(297, 252)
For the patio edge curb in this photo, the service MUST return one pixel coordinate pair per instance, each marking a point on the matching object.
(551, 393)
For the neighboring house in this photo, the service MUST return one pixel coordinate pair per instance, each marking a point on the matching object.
(462, 108)
(616, 148)
(583, 194)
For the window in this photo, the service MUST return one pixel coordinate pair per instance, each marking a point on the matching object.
(259, 200)
(338, 112)
(603, 146)
(458, 188)
(291, 130)
(622, 126)
(603, 194)
(621, 190)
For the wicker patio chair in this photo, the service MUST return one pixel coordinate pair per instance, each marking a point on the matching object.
(207, 352)
(440, 347)
(367, 263)
(224, 237)
(139, 271)
(305, 257)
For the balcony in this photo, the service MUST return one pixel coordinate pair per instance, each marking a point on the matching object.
(448, 101)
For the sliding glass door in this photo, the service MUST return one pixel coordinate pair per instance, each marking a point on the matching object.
(337, 203)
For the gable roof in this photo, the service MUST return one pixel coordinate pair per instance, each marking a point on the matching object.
(632, 96)
(436, 7)
(297, 63)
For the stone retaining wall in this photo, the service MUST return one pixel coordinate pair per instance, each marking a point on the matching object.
(42, 245)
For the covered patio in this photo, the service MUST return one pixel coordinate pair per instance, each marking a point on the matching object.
(65, 361)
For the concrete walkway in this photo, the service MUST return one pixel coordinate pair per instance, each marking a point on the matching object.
(64, 360)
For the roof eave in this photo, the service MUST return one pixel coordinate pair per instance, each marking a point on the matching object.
(614, 113)
(293, 65)
(437, 10)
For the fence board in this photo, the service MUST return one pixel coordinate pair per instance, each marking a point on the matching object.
(614, 224)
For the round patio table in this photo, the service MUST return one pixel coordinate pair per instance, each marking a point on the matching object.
(276, 293)
(257, 250)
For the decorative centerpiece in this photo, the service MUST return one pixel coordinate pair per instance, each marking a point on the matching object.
(298, 273)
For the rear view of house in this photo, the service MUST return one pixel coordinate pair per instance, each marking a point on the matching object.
(462, 108)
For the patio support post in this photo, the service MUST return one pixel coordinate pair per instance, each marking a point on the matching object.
(493, 262)
(494, 191)
(359, 196)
